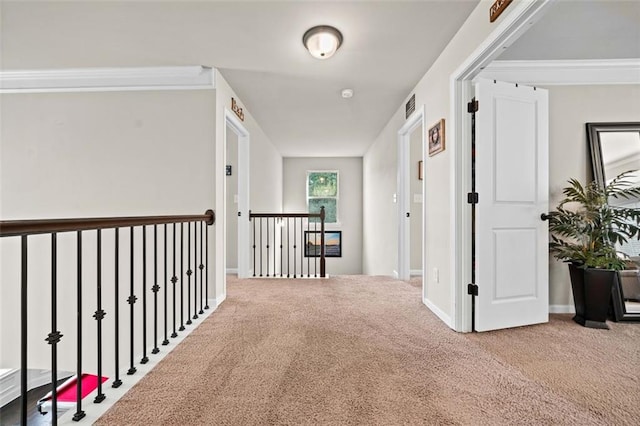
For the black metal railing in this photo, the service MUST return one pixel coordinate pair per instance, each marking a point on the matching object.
(288, 245)
(82, 227)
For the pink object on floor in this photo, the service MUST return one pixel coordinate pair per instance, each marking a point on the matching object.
(67, 392)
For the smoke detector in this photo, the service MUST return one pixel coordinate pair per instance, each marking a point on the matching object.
(347, 93)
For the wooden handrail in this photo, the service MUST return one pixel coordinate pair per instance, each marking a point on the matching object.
(12, 228)
(284, 215)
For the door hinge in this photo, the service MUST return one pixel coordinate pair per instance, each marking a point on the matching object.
(472, 198)
(473, 106)
(472, 289)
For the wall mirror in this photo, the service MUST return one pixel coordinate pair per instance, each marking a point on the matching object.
(615, 148)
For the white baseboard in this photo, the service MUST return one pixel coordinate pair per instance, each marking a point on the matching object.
(10, 382)
(562, 309)
(232, 271)
(415, 272)
(439, 312)
(219, 300)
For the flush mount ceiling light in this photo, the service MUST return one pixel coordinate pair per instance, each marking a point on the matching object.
(322, 41)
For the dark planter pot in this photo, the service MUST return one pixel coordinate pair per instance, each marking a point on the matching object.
(592, 295)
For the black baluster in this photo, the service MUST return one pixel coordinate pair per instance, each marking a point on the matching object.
(23, 332)
(254, 247)
(144, 359)
(165, 342)
(307, 247)
(267, 246)
(174, 280)
(189, 273)
(206, 266)
(117, 382)
(201, 272)
(155, 289)
(274, 248)
(79, 414)
(261, 246)
(99, 316)
(195, 271)
(131, 300)
(315, 258)
(294, 247)
(55, 336)
(182, 277)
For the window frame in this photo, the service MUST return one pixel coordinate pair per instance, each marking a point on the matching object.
(336, 197)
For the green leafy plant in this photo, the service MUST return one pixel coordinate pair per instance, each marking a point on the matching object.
(585, 228)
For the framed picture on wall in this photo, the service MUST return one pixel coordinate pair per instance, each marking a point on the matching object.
(332, 243)
(435, 137)
(420, 172)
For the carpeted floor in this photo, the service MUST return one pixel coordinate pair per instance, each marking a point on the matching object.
(365, 350)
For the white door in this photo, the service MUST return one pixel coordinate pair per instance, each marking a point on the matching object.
(512, 182)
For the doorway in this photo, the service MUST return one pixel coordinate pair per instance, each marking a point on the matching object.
(237, 143)
(231, 199)
(411, 142)
(462, 91)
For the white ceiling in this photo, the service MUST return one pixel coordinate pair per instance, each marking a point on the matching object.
(388, 46)
(582, 29)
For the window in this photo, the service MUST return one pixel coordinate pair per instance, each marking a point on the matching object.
(322, 190)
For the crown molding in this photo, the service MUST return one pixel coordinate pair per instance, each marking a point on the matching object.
(569, 72)
(107, 79)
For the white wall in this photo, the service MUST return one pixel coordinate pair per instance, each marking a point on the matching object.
(349, 204)
(570, 107)
(380, 170)
(92, 155)
(265, 174)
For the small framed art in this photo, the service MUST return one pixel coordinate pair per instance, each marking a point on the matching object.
(436, 138)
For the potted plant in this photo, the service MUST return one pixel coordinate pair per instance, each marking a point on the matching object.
(585, 230)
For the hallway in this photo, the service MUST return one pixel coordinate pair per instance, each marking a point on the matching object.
(363, 350)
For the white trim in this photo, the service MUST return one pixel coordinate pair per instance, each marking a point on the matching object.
(403, 190)
(415, 272)
(337, 224)
(522, 16)
(107, 79)
(232, 271)
(10, 382)
(562, 309)
(566, 72)
(243, 170)
(438, 312)
(220, 299)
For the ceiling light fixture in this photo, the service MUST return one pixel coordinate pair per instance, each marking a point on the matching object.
(347, 93)
(322, 41)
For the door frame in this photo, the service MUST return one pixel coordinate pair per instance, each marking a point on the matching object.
(244, 138)
(516, 23)
(404, 197)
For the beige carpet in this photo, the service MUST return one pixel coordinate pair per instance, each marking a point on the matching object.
(365, 350)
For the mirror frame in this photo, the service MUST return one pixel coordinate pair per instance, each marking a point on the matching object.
(593, 137)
